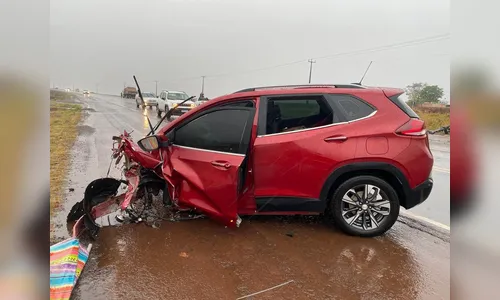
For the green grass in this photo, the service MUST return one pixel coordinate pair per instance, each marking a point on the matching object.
(434, 120)
(64, 118)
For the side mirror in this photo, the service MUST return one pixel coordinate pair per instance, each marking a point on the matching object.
(149, 143)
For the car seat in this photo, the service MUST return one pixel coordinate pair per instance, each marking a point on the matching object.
(273, 118)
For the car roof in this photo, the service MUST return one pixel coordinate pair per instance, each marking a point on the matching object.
(305, 89)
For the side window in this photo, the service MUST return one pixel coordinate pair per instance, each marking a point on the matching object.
(220, 130)
(285, 114)
(353, 108)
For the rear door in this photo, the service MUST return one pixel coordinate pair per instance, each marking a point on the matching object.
(208, 152)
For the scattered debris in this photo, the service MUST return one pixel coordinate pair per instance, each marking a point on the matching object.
(183, 254)
(71, 189)
(266, 290)
(290, 234)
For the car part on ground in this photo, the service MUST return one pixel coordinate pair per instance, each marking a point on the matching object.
(444, 129)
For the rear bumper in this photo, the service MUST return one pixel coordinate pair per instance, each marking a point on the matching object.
(420, 193)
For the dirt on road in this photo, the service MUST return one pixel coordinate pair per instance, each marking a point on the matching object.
(202, 260)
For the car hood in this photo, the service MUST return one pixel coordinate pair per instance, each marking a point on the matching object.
(150, 99)
(180, 101)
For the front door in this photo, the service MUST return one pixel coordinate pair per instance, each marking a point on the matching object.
(208, 152)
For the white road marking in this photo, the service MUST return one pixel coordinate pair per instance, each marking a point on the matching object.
(426, 220)
(440, 169)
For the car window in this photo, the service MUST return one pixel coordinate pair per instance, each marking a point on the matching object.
(353, 108)
(296, 113)
(220, 130)
(177, 96)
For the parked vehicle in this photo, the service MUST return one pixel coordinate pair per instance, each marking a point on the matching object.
(86, 92)
(171, 100)
(129, 92)
(351, 152)
(148, 99)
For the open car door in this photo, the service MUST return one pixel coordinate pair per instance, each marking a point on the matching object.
(209, 157)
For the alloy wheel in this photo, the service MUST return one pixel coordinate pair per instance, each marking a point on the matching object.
(365, 207)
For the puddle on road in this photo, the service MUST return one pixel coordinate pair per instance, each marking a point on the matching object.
(203, 260)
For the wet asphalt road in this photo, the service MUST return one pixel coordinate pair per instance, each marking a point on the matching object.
(203, 260)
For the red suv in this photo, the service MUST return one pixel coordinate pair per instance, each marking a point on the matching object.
(352, 152)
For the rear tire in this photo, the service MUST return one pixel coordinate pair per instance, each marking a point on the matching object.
(366, 215)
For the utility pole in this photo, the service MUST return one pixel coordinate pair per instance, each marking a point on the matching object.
(203, 84)
(156, 89)
(311, 62)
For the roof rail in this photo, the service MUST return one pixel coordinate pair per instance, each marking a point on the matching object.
(296, 86)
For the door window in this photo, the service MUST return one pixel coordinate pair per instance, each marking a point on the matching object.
(221, 130)
(286, 114)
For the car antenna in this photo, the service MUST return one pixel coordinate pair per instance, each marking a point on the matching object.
(142, 99)
(366, 71)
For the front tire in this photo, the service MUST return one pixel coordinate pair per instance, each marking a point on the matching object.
(158, 112)
(169, 118)
(365, 206)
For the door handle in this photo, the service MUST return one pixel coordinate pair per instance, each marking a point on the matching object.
(220, 164)
(339, 138)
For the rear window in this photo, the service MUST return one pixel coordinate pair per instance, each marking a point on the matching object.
(351, 107)
(401, 101)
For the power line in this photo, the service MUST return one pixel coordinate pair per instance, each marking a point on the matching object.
(398, 45)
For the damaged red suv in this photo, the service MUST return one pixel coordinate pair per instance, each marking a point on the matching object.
(352, 152)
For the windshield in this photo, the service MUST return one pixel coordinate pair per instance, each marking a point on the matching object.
(177, 96)
(149, 95)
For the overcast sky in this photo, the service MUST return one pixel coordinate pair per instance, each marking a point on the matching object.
(242, 42)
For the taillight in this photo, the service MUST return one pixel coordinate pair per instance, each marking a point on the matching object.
(414, 127)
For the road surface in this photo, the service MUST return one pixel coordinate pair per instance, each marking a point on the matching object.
(203, 260)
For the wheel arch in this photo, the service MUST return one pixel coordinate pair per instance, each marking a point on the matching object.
(386, 171)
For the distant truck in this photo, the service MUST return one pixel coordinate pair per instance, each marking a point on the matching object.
(129, 92)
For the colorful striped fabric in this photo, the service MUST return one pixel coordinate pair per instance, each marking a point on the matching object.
(67, 260)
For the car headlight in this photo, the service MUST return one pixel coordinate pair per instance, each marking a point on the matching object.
(175, 105)
(193, 105)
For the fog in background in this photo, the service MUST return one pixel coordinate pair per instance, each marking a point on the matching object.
(238, 44)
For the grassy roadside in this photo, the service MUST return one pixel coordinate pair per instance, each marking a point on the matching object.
(64, 118)
(434, 120)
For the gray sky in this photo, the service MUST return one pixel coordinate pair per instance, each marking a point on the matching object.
(175, 42)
